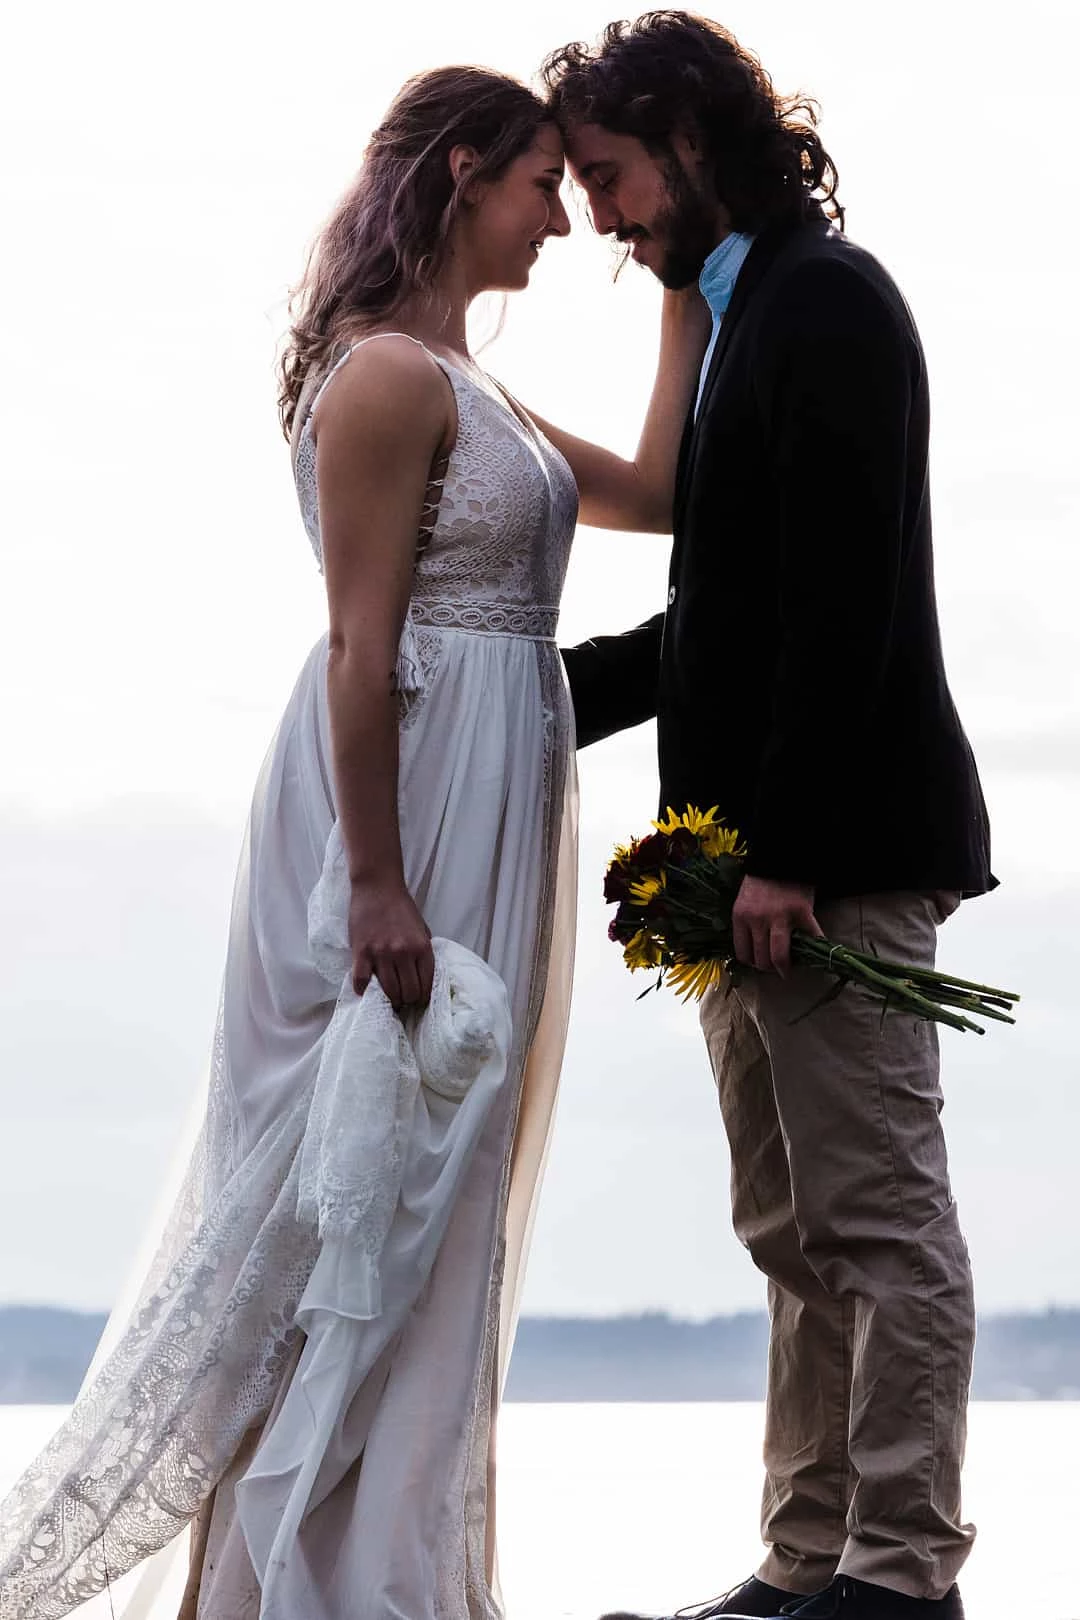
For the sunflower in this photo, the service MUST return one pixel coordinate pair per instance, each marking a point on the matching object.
(647, 888)
(722, 841)
(642, 951)
(715, 837)
(690, 980)
(692, 819)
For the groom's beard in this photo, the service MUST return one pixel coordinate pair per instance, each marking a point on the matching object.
(686, 230)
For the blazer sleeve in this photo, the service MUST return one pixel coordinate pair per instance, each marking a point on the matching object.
(836, 387)
(614, 680)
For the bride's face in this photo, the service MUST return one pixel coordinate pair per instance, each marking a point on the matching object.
(512, 217)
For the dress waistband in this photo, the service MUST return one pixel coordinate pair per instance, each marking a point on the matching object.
(523, 621)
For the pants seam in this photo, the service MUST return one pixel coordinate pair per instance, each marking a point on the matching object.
(917, 1264)
(843, 1408)
(843, 1427)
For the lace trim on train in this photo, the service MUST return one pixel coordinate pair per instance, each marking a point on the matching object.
(150, 1435)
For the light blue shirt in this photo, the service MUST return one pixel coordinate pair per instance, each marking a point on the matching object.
(717, 282)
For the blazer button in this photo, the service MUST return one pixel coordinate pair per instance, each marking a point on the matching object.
(671, 596)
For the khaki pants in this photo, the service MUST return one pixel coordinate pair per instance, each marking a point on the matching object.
(840, 1191)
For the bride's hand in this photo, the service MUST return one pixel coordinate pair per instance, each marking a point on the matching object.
(391, 941)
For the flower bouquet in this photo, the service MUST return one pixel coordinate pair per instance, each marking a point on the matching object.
(675, 890)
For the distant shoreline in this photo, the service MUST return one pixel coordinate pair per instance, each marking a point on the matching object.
(651, 1357)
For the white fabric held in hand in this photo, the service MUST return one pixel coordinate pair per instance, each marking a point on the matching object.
(373, 1063)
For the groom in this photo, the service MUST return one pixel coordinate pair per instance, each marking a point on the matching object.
(798, 683)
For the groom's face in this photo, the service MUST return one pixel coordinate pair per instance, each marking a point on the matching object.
(654, 202)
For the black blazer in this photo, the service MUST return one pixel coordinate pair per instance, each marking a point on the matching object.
(797, 677)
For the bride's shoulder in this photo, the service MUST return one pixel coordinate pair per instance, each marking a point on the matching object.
(387, 376)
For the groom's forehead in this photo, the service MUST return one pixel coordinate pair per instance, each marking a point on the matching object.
(590, 147)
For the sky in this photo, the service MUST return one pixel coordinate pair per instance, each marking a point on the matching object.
(161, 174)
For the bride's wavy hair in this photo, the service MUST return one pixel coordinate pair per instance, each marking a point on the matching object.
(671, 70)
(386, 240)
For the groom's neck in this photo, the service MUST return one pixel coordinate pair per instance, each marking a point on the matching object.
(722, 224)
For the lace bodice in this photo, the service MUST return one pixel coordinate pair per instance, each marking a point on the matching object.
(497, 554)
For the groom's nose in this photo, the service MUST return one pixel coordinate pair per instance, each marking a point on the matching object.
(605, 216)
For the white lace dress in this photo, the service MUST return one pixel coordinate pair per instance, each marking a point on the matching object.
(370, 1436)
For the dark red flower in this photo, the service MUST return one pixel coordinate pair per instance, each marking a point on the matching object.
(617, 882)
(683, 845)
(652, 852)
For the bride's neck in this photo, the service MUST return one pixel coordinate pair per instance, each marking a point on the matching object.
(439, 317)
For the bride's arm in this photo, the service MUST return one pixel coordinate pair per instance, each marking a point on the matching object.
(381, 423)
(638, 495)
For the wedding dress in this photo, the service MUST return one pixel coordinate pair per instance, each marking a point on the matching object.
(319, 1404)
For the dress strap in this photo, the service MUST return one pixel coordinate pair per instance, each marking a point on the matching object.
(433, 494)
(348, 354)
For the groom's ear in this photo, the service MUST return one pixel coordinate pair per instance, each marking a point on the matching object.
(464, 160)
(687, 145)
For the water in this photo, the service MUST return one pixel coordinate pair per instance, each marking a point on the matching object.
(652, 1507)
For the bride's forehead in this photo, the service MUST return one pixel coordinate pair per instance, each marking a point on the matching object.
(547, 146)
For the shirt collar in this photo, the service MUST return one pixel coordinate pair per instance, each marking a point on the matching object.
(720, 270)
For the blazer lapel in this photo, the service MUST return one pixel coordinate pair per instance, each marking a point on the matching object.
(680, 468)
(759, 262)
(750, 277)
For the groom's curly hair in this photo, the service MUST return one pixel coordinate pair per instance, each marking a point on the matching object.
(671, 70)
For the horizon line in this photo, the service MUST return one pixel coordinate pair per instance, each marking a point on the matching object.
(632, 1314)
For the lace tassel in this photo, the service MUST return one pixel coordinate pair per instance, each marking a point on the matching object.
(409, 672)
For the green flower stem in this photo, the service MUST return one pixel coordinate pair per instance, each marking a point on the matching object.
(892, 991)
(983, 1008)
(981, 999)
(894, 984)
(935, 976)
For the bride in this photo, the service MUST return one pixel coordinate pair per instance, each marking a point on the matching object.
(310, 1374)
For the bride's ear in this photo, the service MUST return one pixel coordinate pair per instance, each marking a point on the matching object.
(464, 161)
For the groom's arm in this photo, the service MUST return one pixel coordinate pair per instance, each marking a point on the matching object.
(614, 680)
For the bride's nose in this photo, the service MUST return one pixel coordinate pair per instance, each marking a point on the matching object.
(558, 219)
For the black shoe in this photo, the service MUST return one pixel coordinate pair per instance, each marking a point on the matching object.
(753, 1600)
(849, 1599)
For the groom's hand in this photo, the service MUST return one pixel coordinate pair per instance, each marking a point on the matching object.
(764, 917)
